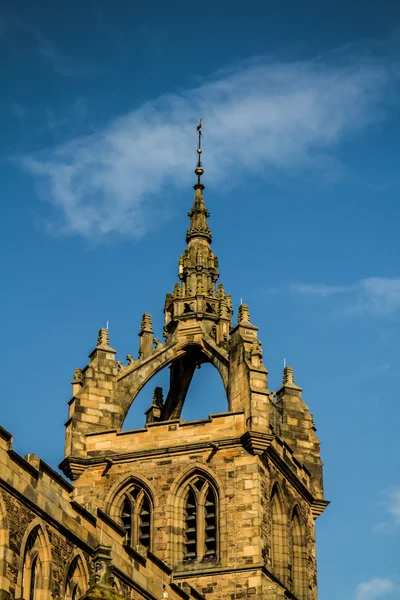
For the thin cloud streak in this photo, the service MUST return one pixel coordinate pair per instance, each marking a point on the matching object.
(261, 117)
(375, 588)
(62, 65)
(392, 506)
(374, 296)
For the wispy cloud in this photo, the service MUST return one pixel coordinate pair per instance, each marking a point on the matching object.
(18, 111)
(260, 117)
(375, 588)
(391, 504)
(45, 48)
(377, 296)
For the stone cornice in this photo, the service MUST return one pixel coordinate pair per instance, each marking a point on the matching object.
(75, 464)
(256, 442)
(318, 506)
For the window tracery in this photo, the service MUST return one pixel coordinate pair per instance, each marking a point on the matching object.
(200, 528)
(299, 565)
(278, 535)
(76, 580)
(31, 566)
(133, 508)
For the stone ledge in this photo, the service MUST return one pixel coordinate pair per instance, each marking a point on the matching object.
(256, 442)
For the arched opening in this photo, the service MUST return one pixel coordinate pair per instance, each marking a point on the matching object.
(190, 388)
(132, 507)
(278, 535)
(136, 416)
(206, 395)
(35, 576)
(32, 575)
(76, 581)
(200, 530)
(299, 564)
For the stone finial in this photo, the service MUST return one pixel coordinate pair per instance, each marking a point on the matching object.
(243, 314)
(78, 376)
(153, 413)
(221, 291)
(103, 339)
(288, 376)
(177, 291)
(146, 325)
(158, 398)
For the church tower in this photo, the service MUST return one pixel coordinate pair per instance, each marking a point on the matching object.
(226, 505)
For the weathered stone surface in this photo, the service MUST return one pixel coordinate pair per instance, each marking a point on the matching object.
(220, 508)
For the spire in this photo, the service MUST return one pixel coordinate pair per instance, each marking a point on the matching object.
(195, 297)
(198, 215)
(199, 170)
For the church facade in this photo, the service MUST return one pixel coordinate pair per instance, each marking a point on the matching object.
(220, 508)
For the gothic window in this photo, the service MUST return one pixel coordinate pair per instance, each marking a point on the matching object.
(33, 574)
(31, 567)
(76, 581)
(200, 531)
(278, 536)
(299, 565)
(135, 516)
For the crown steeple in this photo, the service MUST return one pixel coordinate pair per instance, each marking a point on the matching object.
(196, 296)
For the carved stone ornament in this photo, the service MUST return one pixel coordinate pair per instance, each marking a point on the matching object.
(103, 339)
(78, 376)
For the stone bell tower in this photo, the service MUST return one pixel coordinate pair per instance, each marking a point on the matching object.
(227, 503)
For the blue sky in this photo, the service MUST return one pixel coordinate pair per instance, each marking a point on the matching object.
(300, 100)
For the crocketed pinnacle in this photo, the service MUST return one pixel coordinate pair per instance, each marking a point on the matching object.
(198, 217)
(199, 213)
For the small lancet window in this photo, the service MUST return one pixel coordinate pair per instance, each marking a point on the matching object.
(126, 518)
(278, 536)
(299, 563)
(144, 523)
(135, 517)
(76, 581)
(200, 533)
(33, 581)
(31, 567)
(211, 526)
(190, 527)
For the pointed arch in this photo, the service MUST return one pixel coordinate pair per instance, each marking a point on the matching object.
(35, 576)
(174, 355)
(4, 545)
(76, 580)
(278, 534)
(298, 555)
(195, 517)
(131, 504)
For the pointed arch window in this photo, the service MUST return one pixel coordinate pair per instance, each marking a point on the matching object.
(31, 566)
(76, 580)
(298, 552)
(200, 526)
(278, 536)
(135, 515)
(33, 582)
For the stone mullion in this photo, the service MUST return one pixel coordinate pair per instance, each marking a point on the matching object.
(136, 518)
(201, 522)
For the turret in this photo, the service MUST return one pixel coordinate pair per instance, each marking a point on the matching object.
(297, 428)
